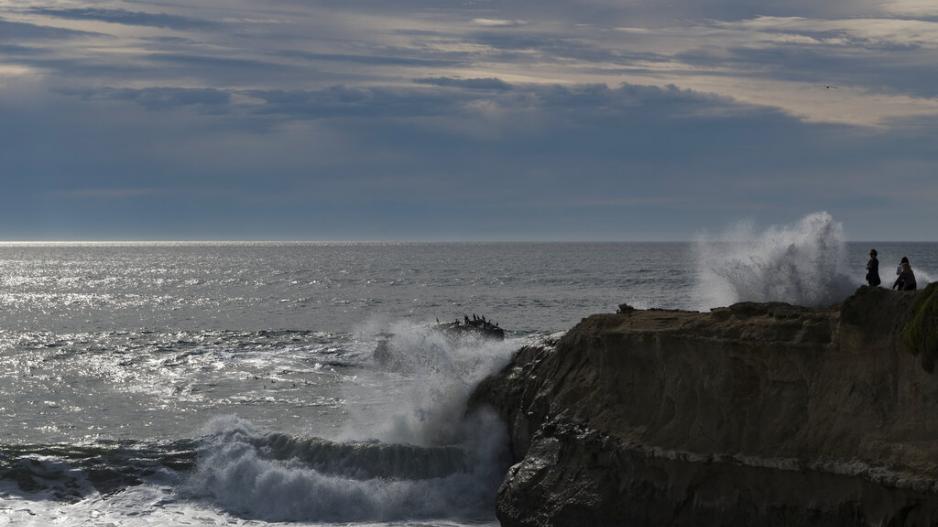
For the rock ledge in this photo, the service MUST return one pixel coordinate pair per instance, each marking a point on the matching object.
(755, 414)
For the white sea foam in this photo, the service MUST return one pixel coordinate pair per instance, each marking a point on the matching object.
(437, 374)
(235, 473)
(240, 471)
(803, 263)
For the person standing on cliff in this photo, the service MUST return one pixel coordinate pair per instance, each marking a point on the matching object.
(906, 280)
(872, 270)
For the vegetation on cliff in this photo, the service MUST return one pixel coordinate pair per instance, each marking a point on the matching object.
(920, 334)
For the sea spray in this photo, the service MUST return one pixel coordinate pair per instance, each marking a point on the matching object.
(424, 458)
(436, 373)
(803, 263)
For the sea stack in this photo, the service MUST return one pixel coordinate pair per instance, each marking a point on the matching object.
(754, 414)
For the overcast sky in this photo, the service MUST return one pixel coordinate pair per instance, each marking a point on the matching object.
(474, 119)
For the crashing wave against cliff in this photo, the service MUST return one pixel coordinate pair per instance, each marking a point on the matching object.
(804, 264)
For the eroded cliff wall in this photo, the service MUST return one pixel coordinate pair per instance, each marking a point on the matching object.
(756, 414)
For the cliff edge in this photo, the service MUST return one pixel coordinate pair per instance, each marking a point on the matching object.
(755, 414)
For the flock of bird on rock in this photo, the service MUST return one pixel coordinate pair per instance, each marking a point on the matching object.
(477, 325)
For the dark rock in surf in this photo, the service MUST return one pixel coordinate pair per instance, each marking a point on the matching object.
(480, 327)
(755, 414)
(387, 357)
(382, 354)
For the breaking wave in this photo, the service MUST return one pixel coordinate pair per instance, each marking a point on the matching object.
(803, 263)
(71, 473)
(423, 457)
(439, 373)
(359, 482)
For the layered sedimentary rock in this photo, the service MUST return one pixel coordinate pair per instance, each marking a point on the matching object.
(755, 414)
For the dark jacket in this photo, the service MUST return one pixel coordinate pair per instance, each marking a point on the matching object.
(906, 280)
(872, 272)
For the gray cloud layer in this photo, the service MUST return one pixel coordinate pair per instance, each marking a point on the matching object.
(122, 16)
(414, 119)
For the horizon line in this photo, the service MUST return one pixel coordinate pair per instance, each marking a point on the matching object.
(377, 241)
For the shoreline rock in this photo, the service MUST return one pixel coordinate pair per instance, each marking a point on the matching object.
(754, 414)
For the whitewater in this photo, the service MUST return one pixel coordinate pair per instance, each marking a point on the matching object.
(235, 383)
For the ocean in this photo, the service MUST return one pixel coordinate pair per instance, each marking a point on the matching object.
(236, 384)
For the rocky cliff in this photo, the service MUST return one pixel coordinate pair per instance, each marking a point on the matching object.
(755, 414)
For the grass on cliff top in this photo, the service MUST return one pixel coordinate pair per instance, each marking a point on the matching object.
(920, 334)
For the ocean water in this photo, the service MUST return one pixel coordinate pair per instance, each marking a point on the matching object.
(235, 384)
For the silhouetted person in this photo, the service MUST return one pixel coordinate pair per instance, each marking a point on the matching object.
(872, 270)
(906, 279)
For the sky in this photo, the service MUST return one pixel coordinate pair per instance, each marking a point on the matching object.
(465, 119)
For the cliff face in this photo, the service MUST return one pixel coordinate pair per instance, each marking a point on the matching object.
(756, 414)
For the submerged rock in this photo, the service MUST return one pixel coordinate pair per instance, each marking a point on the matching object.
(755, 414)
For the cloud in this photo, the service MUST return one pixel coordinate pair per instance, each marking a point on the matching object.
(588, 118)
(159, 98)
(736, 54)
(430, 161)
(811, 64)
(18, 50)
(350, 102)
(538, 47)
(212, 62)
(372, 60)
(17, 31)
(493, 97)
(888, 33)
(131, 18)
(497, 22)
(490, 83)
(911, 8)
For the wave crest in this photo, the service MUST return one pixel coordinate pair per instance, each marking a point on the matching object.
(421, 457)
(274, 478)
(802, 264)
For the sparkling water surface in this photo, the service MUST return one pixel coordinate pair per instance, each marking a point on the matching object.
(158, 346)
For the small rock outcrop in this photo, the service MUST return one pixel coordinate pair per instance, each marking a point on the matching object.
(477, 326)
(754, 414)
